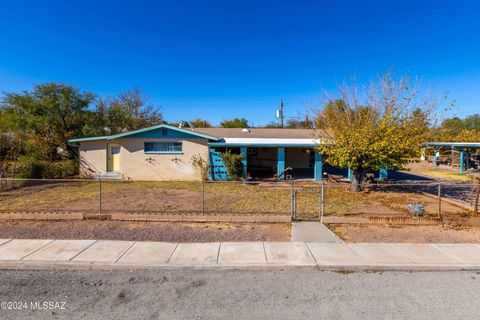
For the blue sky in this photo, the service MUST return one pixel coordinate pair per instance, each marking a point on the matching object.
(223, 59)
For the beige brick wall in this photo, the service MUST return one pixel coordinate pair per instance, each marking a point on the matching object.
(137, 165)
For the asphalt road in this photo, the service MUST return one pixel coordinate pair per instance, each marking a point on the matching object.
(201, 294)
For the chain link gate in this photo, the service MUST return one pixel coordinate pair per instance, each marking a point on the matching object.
(307, 202)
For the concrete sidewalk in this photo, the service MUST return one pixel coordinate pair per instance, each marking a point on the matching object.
(313, 231)
(104, 254)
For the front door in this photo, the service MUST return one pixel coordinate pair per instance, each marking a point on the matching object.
(113, 157)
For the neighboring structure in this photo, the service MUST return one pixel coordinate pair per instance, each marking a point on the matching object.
(165, 152)
(468, 154)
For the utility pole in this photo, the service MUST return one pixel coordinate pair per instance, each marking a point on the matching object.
(306, 120)
(280, 113)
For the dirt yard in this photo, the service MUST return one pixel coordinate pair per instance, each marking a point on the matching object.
(144, 231)
(443, 172)
(404, 234)
(186, 197)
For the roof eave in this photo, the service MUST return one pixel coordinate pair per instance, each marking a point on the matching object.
(126, 134)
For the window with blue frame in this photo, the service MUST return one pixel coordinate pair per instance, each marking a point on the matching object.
(163, 147)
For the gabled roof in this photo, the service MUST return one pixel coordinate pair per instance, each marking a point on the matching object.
(129, 133)
(264, 133)
(218, 134)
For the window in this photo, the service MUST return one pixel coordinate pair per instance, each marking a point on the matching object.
(163, 147)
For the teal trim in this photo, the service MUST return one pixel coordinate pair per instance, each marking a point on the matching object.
(318, 166)
(163, 147)
(281, 163)
(142, 134)
(163, 152)
(269, 145)
(461, 161)
(452, 144)
(350, 174)
(89, 139)
(243, 152)
(163, 133)
(383, 174)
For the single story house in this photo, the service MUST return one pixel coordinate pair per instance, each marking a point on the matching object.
(165, 152)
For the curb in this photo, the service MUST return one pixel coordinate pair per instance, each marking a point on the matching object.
(95, 266)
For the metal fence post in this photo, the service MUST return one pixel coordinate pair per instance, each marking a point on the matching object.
(292, 199)
(477, 196)
(203, 197)
(439, 199)
(322, 204)
(100, 194)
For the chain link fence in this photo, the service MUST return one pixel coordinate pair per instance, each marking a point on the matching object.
(301, 200)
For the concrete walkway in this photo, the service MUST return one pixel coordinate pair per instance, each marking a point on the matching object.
(313, 231)
(104, 254)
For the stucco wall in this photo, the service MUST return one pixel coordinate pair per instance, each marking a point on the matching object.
(137, 165)
(92, 157)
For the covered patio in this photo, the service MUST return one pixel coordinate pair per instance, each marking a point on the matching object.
(464, 155)
(270, 160)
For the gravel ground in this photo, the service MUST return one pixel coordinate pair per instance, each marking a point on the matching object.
(145, 231)
(406, 234)
(202, 294)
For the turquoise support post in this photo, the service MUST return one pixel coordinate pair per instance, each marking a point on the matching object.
(461, 161)
(453, 151)
(243, 152)
(383, 173)
(349, 174)
(281, 163)
(318, 172)
(435, 150)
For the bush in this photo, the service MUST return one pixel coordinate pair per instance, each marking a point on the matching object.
(201, 165)
(234, 165)
(38, 169)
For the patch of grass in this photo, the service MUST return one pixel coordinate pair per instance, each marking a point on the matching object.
(336, 229)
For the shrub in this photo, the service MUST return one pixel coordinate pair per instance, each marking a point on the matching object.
(234, 165)
(201, 165)
(39, 169)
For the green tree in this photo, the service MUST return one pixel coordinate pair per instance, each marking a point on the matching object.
(272, 124)
(451, 127)
(234, 123)
(10, 147)
(457, 129)
(379, 128)
(130, 110)
(298, 124)
(199, 123)
(46, 118)
(472, 122)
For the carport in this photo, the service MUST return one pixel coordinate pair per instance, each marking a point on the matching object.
(280, 160)
(468, 154)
